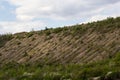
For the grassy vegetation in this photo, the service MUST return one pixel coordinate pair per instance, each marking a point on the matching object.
(100, 26)
(30, 34)
(4, 38)
(39, 71)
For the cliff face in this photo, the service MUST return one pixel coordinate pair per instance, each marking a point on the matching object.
(73, 44)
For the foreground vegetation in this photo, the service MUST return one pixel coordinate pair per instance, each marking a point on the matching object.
(36, 71)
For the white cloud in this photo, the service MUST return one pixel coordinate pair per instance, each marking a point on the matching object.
(60, 9)
(107, 11)
(97, 17)
(14, 27)
(30, 12)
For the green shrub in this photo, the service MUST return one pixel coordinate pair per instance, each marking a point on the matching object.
(29, 34)
(19, 37)
(57, 30)
(47, 32)
(25, 54)
(4, 38)
(117, 57)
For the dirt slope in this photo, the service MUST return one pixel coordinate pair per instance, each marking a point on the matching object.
(72, 44)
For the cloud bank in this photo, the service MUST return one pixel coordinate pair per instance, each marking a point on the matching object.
(60, 9)
(14, 27)
(32, 12)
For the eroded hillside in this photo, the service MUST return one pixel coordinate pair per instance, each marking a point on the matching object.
(72, 44)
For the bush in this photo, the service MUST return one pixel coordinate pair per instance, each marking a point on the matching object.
(4, 38)
(117, 57)
(57, 30)
(29, 34)
(47, 32)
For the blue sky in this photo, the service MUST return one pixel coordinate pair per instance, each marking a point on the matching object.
(6, 13)
(24, 15)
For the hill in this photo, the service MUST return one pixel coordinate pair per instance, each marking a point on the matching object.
(75, 52)
(72, 44)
